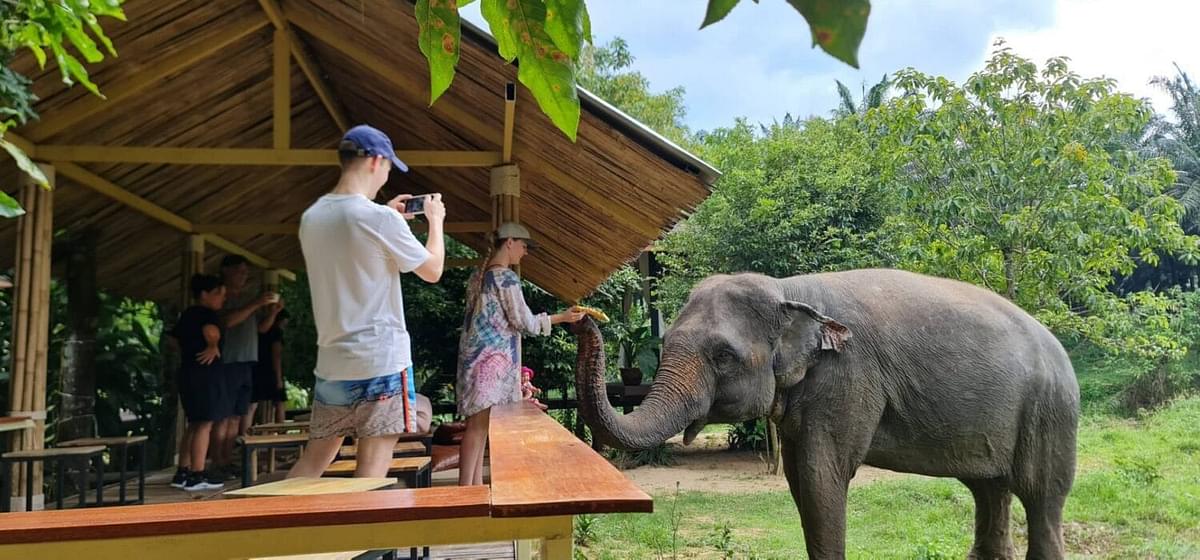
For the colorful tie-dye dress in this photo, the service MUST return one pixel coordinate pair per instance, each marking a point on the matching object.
(489, 355)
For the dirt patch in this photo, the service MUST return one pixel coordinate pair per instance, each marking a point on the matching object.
(707, 465)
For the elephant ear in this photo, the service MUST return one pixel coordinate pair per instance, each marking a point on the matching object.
(804, 334)
(833, 334)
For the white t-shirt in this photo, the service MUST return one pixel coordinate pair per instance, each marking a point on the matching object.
(354, 252)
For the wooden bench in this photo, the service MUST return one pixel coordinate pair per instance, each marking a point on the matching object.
(415, 470)
(251, 445)
(60, 456)
(402, 449)
(541, 477)
(122, 445)
(278, 428)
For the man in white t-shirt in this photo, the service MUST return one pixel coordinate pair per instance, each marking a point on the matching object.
(354, 253)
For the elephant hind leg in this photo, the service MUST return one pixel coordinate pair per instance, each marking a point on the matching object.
(1045, 526)
(993, 502)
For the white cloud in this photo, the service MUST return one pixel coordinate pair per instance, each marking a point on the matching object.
(1128, 42)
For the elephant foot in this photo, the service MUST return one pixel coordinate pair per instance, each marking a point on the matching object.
(977, 554)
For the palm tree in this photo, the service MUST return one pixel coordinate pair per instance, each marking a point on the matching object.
(1179, 141)
(871, 98)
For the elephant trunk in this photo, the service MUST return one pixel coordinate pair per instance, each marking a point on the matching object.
(669, 407)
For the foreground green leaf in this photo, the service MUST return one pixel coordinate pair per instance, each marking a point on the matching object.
(837, 25)
(717, 10)
(567, 24)
(548, 72)
(9, 207)
(25, 163)
(440, 41)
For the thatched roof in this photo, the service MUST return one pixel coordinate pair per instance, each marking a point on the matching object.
(594, 204)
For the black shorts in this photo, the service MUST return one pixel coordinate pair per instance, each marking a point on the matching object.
(202, 392)
(264, 387)
(238, 384)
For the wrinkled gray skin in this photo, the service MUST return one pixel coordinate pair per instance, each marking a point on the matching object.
(877, 367)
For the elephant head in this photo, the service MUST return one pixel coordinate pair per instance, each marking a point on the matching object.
(736, 343)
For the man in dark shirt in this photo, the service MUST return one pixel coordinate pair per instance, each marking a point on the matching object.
(201, 383)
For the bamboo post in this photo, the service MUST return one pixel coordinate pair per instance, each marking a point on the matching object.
(31, 325)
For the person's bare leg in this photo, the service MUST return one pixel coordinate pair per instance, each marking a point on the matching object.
(471, 452)
(280, 412)
(229, 438)
(247, 419)
(185, 446)
(199, 445)
(374, 456)
(317, 456)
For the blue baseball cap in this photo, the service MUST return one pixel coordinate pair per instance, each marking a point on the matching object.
(367, 141)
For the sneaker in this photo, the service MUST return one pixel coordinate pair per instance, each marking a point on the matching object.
(202, 481)
(181, 476)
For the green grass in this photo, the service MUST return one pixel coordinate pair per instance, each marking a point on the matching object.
(1137, 495)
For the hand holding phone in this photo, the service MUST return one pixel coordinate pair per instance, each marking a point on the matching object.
(415, 205)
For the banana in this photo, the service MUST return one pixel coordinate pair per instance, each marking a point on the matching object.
(592, 312)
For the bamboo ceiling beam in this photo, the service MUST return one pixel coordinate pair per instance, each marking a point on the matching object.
(107, 188)
(323, 31)
(306, 63)
(281, 83)
(59, 120)
(293, 228)
(249, 156)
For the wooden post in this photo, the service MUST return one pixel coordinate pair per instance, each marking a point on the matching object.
(31, 325)
(77, 378)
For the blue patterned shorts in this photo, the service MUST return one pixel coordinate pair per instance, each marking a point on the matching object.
(365, 407)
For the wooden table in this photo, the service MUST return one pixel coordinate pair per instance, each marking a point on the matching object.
(415, 470)
(402, 449)
(12, 424)
(311, 487)
(251, 445)
(541, 477)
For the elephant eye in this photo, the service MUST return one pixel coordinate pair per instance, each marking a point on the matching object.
(726, 356)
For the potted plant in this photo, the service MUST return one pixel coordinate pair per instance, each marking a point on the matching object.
(638, 345)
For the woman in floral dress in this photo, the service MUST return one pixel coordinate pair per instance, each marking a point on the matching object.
(489, 357)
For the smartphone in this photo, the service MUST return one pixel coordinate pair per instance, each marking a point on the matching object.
(415, 205)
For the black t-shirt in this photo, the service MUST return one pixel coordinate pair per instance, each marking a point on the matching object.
(265, 341)
(190, 332)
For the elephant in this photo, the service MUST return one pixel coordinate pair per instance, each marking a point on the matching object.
(879, 367)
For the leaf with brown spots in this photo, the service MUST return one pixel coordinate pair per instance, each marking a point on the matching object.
(520, 30)
(568, 24)
(440, 39)
(837, 25)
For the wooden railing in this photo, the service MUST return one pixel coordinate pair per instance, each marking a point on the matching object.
(541, 477)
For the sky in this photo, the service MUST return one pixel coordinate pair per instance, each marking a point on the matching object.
(758, 63)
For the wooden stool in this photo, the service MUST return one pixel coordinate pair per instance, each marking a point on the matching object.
(123, 444)
(402, 449)
(81, 456)
(415, 470)
(251, 445)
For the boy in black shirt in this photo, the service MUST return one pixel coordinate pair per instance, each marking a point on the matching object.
(200, 382)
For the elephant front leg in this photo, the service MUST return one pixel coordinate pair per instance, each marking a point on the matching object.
(818, 487)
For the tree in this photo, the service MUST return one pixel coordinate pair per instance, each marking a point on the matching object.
(1179, 141)
(40, 25)
(871, 98)
(1023, 181)
(605, 71)
(796, 198)
(548, 36)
